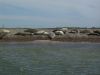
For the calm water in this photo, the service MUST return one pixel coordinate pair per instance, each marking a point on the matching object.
(49, 58)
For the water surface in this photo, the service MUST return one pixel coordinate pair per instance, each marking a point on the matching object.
(49, 58)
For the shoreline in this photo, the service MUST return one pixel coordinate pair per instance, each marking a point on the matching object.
(45, 39)
(47, 42)
(54, 34)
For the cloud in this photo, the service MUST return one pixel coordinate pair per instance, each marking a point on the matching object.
(56, 6)
(52, 11)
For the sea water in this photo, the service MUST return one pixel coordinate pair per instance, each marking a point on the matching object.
(49, 58)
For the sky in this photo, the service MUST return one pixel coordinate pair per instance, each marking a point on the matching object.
(50, 13)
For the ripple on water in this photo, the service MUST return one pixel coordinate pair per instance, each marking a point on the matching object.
(49, 58)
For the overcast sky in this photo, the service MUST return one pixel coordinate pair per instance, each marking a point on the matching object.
(49, 13)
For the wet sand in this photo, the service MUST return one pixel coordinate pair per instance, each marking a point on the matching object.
(46, 39)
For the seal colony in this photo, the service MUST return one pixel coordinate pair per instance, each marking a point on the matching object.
(64, 34)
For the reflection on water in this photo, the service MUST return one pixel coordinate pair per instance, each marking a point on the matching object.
(49, 58)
